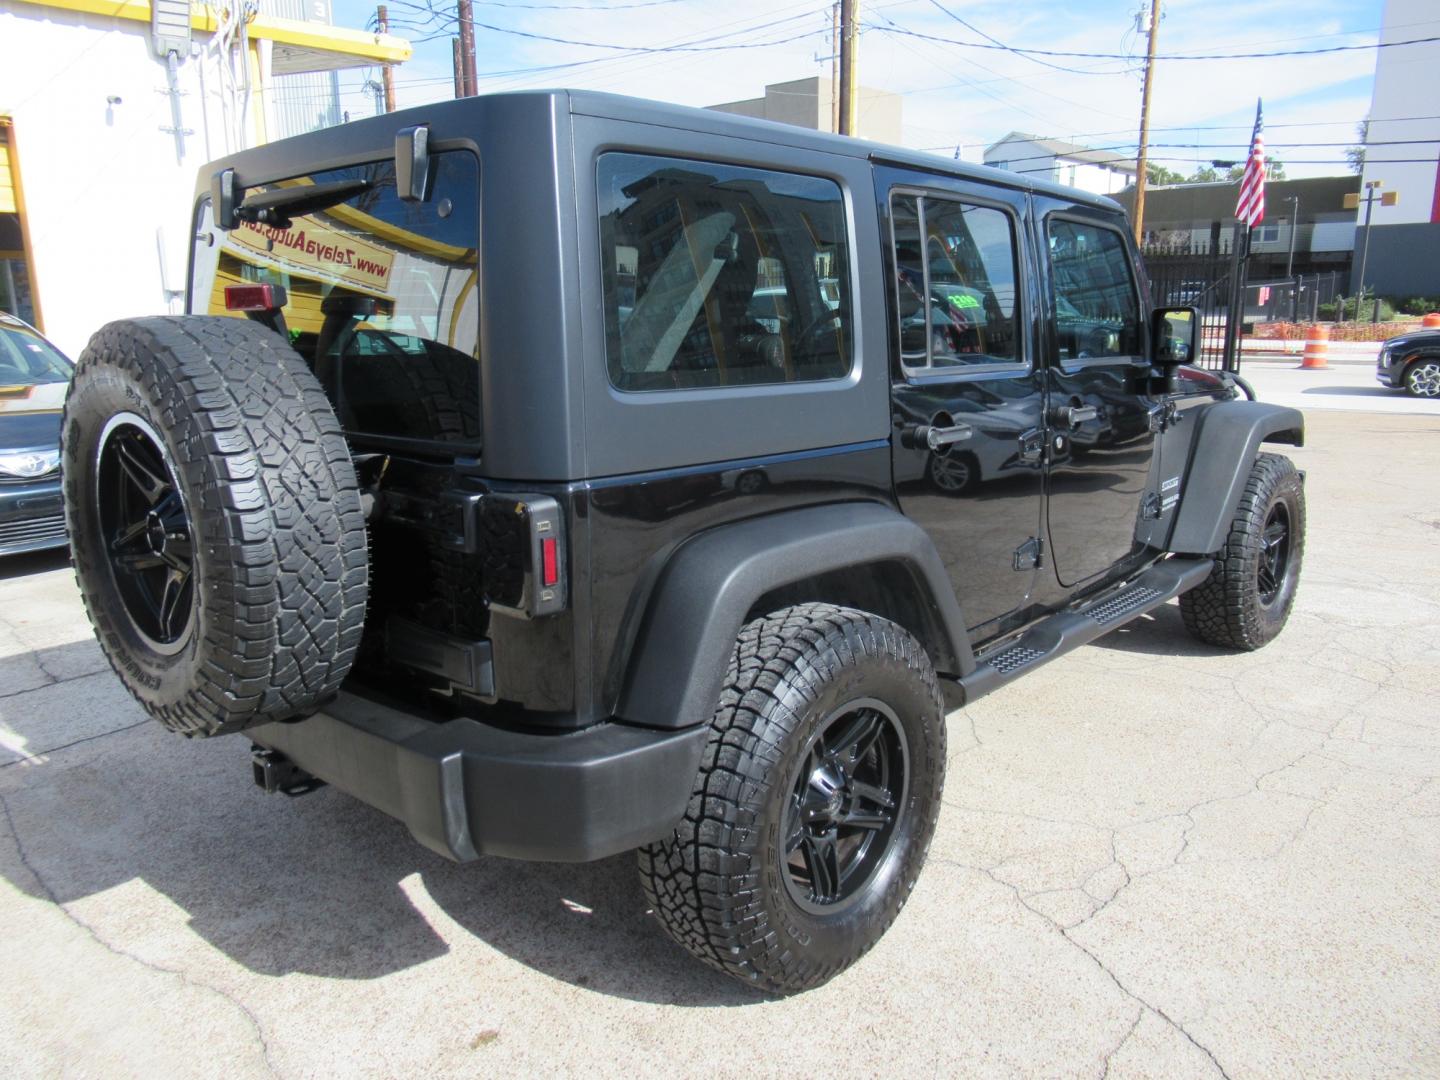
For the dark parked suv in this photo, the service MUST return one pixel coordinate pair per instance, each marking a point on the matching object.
(553, 472)
(1411, 362)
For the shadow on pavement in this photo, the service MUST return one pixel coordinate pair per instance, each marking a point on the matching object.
(1160, 633)
(1354, 391)
(33, 562)
(319, 885)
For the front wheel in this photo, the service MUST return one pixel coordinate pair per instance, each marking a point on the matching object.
(1422, 379)
(1246, 600)
(815, 802)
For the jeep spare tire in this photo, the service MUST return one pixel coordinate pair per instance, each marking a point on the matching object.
(215, 521)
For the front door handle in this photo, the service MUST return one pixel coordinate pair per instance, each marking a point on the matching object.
(1072, 416)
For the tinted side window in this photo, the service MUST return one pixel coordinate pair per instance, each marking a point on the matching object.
(381, 297)
(1097, 310)
(956, 273)
(720, 275)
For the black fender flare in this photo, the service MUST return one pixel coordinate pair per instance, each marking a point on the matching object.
(1221, 458)
(713, 581)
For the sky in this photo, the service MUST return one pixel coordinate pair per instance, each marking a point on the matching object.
(955, 95)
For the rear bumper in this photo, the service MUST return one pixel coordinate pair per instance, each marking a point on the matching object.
(32, 516)
(467, 789)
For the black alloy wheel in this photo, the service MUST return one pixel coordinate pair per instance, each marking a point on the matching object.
(814, 804)
(146, 531)
(215, 521)
(1249, 594)
(845, 803)
(1274, 554)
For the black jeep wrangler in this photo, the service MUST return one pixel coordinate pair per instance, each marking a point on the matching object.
(563, 474)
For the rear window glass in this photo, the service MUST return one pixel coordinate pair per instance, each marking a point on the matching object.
(721, 275)
(955, 274)
(380, 296)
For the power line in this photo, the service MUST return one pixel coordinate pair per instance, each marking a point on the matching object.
(1214, 127)
(894, 29)
(1018, 52)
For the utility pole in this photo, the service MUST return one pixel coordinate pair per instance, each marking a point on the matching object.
(459, 67)
(849, 83)
(835, 67)
(467, 47)
(1143, 155)
(387, 76)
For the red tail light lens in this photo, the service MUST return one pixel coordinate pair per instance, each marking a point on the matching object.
(549, 562)
(254, 297)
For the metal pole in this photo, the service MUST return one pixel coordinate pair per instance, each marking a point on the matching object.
(1294, 224)
(1365, 241)
(1144, 152)
(382, 18)
(1290, 259)
(467, 46)
(849, 89)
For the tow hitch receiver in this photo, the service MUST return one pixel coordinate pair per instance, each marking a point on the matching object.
(275, 772)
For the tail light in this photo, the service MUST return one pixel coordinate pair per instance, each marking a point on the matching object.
(521, 539)
(254, 297)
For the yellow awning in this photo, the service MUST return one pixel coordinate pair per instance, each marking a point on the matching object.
(299, 46)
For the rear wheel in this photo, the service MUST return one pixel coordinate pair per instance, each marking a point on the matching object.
(215, 521)
(815, 803)
(1246, 600)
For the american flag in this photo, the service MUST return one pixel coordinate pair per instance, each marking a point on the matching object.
(1250, 208)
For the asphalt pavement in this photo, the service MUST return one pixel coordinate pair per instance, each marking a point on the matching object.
(1155, 859)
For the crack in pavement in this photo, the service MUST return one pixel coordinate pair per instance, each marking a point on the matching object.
(1099, 963)
(51, 679)
(34, 758)
(1139, 1015)
(95, 936)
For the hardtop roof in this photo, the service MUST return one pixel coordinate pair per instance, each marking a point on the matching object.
(620, 107)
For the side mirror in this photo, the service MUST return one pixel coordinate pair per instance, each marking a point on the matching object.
(1174, 334)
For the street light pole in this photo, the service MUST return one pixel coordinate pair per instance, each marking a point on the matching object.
(1370, 186)
(1290, 259)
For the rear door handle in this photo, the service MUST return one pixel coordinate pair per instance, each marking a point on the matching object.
(937, 438)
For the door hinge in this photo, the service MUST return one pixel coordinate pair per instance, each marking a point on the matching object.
(1030, 555)
(1032, 445)
(1162, 416)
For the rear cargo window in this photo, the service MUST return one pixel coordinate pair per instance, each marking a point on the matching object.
(380, 297)
(720, 275)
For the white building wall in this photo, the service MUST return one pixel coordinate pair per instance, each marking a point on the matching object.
(1407, 84)
(1034, 160)
(100, 179)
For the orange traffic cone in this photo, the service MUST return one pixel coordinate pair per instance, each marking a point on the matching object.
(1317, 344)
(1431, 320)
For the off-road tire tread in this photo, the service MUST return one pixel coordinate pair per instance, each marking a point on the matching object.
(700, 883)
(281, 549)
(1222, 610)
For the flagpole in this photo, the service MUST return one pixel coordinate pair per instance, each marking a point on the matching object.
(1249, 209)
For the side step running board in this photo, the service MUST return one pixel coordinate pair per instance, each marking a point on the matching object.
(1067, 630)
